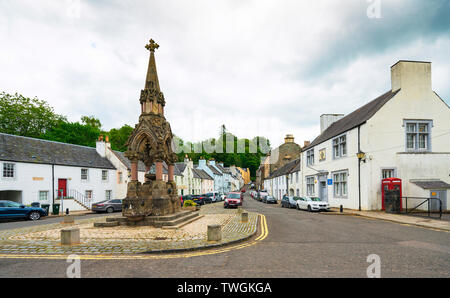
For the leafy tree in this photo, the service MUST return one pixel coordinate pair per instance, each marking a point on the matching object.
(72, 133)
(91, 121)
(119, 137)
(25, 116)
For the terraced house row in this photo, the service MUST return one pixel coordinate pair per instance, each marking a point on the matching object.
(35, 170)
(403, 133)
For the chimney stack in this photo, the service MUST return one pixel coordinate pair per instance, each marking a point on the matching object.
(289, 138)
(327, 119)
(306, 143)
(411, 76)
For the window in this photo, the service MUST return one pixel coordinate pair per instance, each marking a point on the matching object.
(43, 195)
(84, 174)
(388, 173)
(310, 186)
(418, 135)
(310, 157)
(108, 194)
(88, 194)
(104, 175)
(340, 184)
(9, 170)
(296, 177)
(120, 177)
(298, 192)
(340, 146)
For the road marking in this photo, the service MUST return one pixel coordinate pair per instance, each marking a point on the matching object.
(262, 236)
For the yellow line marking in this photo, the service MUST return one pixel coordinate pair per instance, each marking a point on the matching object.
(262, 236)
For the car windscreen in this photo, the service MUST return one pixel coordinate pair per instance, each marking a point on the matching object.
(315, 199)
(296, 198)
(234, 196)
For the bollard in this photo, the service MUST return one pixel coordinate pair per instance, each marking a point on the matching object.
(214, 232)
(68, 219)
(244, 217)
(70, 236)
(341, 209)
(67, 211)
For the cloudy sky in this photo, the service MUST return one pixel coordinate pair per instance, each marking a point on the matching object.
(260, 67)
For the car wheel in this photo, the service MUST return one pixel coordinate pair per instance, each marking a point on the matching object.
(34, 215)
(309, 208)
(110, 209)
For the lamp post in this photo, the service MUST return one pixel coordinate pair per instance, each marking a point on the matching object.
(360, 156)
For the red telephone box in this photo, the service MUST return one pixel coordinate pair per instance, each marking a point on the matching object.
(391, 184)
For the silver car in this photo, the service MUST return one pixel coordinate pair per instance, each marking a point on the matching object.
(109, 206)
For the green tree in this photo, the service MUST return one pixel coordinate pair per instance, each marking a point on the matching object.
(91, 121)
(31, 117)
(119, 137)
(72, 133)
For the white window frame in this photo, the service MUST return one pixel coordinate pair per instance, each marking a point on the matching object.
(310, 186)
(86, 194)
(14, 170)
(339, 184)
(87, 174)
(107, 175)
(394, 171)
(110, 194)
(339, 143)
(416, 133)
(310, 157)
(39, 195)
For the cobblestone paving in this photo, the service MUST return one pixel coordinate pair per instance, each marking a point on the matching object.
(44, 239)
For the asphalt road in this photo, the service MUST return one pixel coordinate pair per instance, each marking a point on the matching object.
(299, 244)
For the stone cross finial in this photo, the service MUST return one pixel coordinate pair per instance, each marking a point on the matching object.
(152, 46)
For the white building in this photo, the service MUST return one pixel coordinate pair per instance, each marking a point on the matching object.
(123, 166)
(404, 133)
(34, 170)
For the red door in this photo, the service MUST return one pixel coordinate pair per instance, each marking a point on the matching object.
(62, 185)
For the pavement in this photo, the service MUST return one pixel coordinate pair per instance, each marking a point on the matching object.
(424, 222)
(45, 239)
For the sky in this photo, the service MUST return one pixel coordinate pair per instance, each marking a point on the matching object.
(266, 68)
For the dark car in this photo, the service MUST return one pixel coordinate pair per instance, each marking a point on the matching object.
(109, 206)
(198, 199)
(269, 200)
(209, 197)
(10, 209)
(289, 202)
(233, 199)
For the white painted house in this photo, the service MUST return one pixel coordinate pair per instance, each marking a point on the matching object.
(404, 133)
(34, 170)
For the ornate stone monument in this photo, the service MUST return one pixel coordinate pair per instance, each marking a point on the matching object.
(151, 142)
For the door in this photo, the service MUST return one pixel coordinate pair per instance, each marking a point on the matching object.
(439, 194)
(323, 191)
(62, 185)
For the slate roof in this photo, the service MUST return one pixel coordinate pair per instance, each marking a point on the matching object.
(286, 169)
(31, 150)
(432, 184)
(214, 170)
(353, 119)
(180, 166)
(223, 169)
(121, 156)
(196, 173)
(204, 175)
(296, 167)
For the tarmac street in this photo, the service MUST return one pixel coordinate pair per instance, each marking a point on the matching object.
(289, 243)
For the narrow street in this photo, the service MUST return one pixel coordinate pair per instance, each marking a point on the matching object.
(298, 244)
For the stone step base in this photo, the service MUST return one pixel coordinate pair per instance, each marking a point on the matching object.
(183, 223)
(106, 224)
(156, 221)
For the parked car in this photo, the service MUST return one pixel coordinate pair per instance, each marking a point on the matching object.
(109, 206)
(260, 195)
(289, 202)
(213, 196)
(199, 200)
(312, 204)
(233, 199)
(10, 209)
(269, 200)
